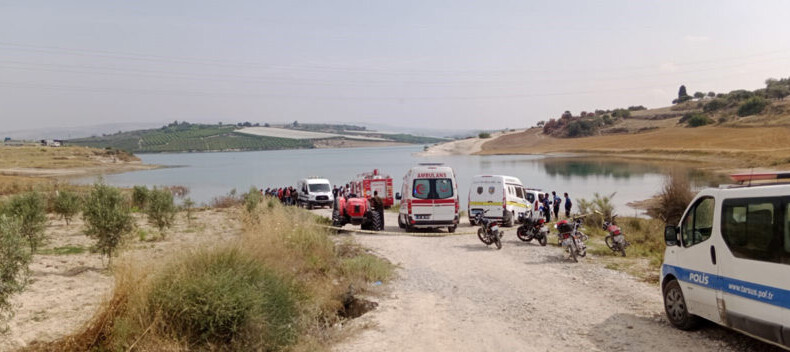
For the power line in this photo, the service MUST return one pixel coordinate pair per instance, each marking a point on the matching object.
(324, 68)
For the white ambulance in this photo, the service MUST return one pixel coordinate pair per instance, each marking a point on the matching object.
(503, 196)
(429, 198)
(728, 260)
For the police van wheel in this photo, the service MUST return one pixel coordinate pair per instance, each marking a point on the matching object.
(676, 309)
(451, 229)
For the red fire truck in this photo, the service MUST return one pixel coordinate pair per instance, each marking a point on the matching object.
(365, 183)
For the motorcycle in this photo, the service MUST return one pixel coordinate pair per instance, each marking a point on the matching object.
(488, 233)
(571, 238)
(533, 229)
(615, 240)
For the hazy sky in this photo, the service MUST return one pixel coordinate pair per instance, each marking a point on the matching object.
(439, 64)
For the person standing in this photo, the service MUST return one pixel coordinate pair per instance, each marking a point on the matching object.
(557, 201)
(378, 206)
(547, 207)
(568, 205)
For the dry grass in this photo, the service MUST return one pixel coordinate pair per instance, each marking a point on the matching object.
(59, 158)
(727, 146)
(283, 252)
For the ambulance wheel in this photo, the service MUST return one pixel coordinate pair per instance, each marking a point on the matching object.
(676, 308)
(400, 222)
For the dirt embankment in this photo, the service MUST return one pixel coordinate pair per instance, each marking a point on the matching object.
(65, 161)
(723, 146)
(466, 146)
(353, 143)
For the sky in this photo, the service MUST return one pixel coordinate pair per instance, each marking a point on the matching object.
(412, 63)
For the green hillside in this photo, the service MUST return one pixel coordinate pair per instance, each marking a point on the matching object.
(186, 137)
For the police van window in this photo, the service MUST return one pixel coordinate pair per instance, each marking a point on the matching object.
(749, 228)
(698, 223)
(479, 190)
(519, 192)
(786, 223)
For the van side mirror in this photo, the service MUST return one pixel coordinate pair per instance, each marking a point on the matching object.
(397, 196)
(671, 236)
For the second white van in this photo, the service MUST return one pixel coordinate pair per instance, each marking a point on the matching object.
(502, 196)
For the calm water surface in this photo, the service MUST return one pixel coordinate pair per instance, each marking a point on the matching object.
(212, 174)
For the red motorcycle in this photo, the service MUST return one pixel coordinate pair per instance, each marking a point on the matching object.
(615, 240)
(533, 229)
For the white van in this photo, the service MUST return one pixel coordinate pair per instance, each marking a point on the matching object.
(429, 198)
(728, 261)
(503, 197)
(314, 191)
(533, 196)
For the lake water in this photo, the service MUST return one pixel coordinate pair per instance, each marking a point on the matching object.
(212, 174)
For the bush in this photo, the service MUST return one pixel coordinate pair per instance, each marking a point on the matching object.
(623, 113)
(222, 296)
(695, 120)
(714, 105)
(188, 206)
(161, 209)
(107, 218)
(140, 197)
(29, 209)
(484, 135)
(14, 260)
(598, 209)
(752, 106)
(67, 204)
(673, 199)
(226, 201)
(252, 198)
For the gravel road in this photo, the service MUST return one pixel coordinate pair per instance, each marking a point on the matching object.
(455, 294)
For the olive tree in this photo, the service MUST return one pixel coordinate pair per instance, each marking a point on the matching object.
(67, 204)
(107, 218)
(30, 210)
(14, 260)
(161, 210)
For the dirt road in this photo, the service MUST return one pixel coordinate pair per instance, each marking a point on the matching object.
(456, 294)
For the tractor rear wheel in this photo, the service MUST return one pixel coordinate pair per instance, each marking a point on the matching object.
(376, 222)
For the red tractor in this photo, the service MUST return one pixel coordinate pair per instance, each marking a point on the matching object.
(356, 211)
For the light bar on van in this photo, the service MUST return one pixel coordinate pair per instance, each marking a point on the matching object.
(760, 177)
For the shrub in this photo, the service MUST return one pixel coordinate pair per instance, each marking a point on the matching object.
(636, 108)
(67, 204)
(623, 113)
(218, 296)
(597, 209)
(695, 119)
(252, 198)
(226, 201)
(14, 260)
(28, 208)
(752, 106)
(140, 197)
(673, 199)
(107, 218)
(188, 206)
(484, 135)
(161, 209)
(715, 104)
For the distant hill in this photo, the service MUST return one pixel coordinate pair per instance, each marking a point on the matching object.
(187, 137)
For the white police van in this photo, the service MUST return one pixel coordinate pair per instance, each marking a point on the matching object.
(728, 261)
(502, 196)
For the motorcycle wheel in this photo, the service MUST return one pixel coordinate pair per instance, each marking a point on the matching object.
(481, 234)
(610, 243)
(542, 241)
(582, 249)
(498, 241)
(523, 234)
(572, 250)
(622, 251)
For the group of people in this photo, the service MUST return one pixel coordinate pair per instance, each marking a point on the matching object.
(548, 203)
(286, 195)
